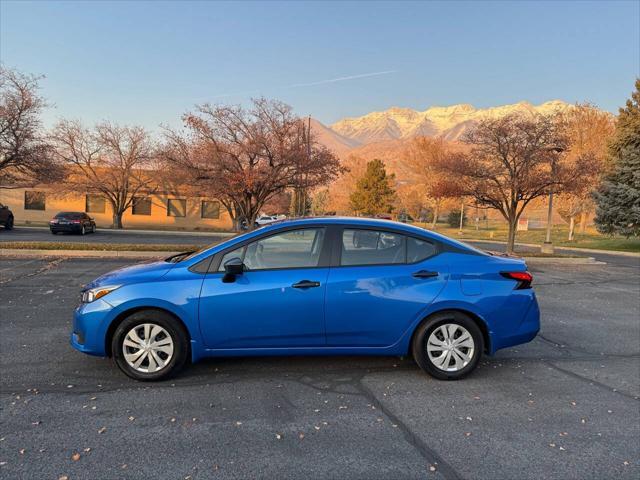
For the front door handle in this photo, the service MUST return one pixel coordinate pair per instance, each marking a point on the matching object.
(425, 274)
(306, 284)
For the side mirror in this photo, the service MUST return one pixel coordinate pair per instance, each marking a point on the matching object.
(232, 268)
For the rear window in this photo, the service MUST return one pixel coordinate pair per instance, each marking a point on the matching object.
(70, 215)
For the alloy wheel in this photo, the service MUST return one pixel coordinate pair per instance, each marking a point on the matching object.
(450, 347)
(147, 348)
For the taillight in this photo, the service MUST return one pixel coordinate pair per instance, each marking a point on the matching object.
(53, 220)
(524, 279)
(75, 221)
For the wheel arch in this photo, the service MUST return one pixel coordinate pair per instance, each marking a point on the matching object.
(123, 315)
(475, 317)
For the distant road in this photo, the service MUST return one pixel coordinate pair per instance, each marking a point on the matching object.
(30, 234)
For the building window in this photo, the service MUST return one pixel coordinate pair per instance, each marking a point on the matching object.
(210, 209)
(34, 200)
(176, 207)
(94, 204)
(141, 206)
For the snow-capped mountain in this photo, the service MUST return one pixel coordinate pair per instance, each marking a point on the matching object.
(446, 122)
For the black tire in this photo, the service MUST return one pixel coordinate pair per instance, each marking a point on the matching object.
(9, 224)
(53, 233)
(424, 331)
(175, 330)
(93, 229)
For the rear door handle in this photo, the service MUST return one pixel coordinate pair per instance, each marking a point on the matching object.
(306, 284)
(425, 274)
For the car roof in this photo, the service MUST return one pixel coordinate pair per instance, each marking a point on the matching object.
(368, 222)
(332, 220)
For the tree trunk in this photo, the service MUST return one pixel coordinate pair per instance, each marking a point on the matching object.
(461, 216)
(572, 226)
(511, 237)
(583, 222)
(436, 211)
(117, 219)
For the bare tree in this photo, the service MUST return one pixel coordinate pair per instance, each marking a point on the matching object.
(423, 159)
(588, 133)
(245, 157)
(25, 155)
(111, 160)
(514, 160)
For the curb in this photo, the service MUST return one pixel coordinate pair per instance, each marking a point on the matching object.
(143, 232)
(27, 253)
(572, 249)
(562, 261)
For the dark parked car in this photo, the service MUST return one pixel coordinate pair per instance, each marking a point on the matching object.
(75, 222)
(6, 217)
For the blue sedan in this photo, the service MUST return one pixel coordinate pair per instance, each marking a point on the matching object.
(320, 286)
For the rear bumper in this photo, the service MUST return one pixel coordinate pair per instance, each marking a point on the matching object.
(65, 228)
(524, 332)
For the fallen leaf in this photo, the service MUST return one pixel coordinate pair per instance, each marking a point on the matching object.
(278, 436)
(63, 477)
(102, 430)
(432, 468)
(75, 457)
(22, 450)
(301, 435)
(87, 450)
(131, 419)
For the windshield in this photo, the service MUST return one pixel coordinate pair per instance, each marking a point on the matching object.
(181, 257)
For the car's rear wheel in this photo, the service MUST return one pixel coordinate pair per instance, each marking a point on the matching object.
(448, 345)
(9, 224)
(150, 345)
(83, 230)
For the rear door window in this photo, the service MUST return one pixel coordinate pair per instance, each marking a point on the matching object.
(372, 247)
(418, 250)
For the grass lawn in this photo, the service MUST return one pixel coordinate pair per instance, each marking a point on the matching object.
(559, 234)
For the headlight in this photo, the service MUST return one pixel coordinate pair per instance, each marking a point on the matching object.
(94, 294)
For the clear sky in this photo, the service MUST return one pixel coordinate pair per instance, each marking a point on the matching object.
(149, 62)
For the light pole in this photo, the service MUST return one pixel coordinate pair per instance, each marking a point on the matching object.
(547, 246)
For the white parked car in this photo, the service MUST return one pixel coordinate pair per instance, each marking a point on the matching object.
(263, 220)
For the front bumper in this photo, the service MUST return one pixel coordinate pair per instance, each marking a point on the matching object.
(90, 324)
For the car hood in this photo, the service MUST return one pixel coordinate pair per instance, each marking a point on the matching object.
(132, 274)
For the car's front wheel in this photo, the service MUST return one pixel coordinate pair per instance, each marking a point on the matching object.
(150, 345)
(448, 345)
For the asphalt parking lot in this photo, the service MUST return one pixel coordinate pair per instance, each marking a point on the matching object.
(565, 406)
